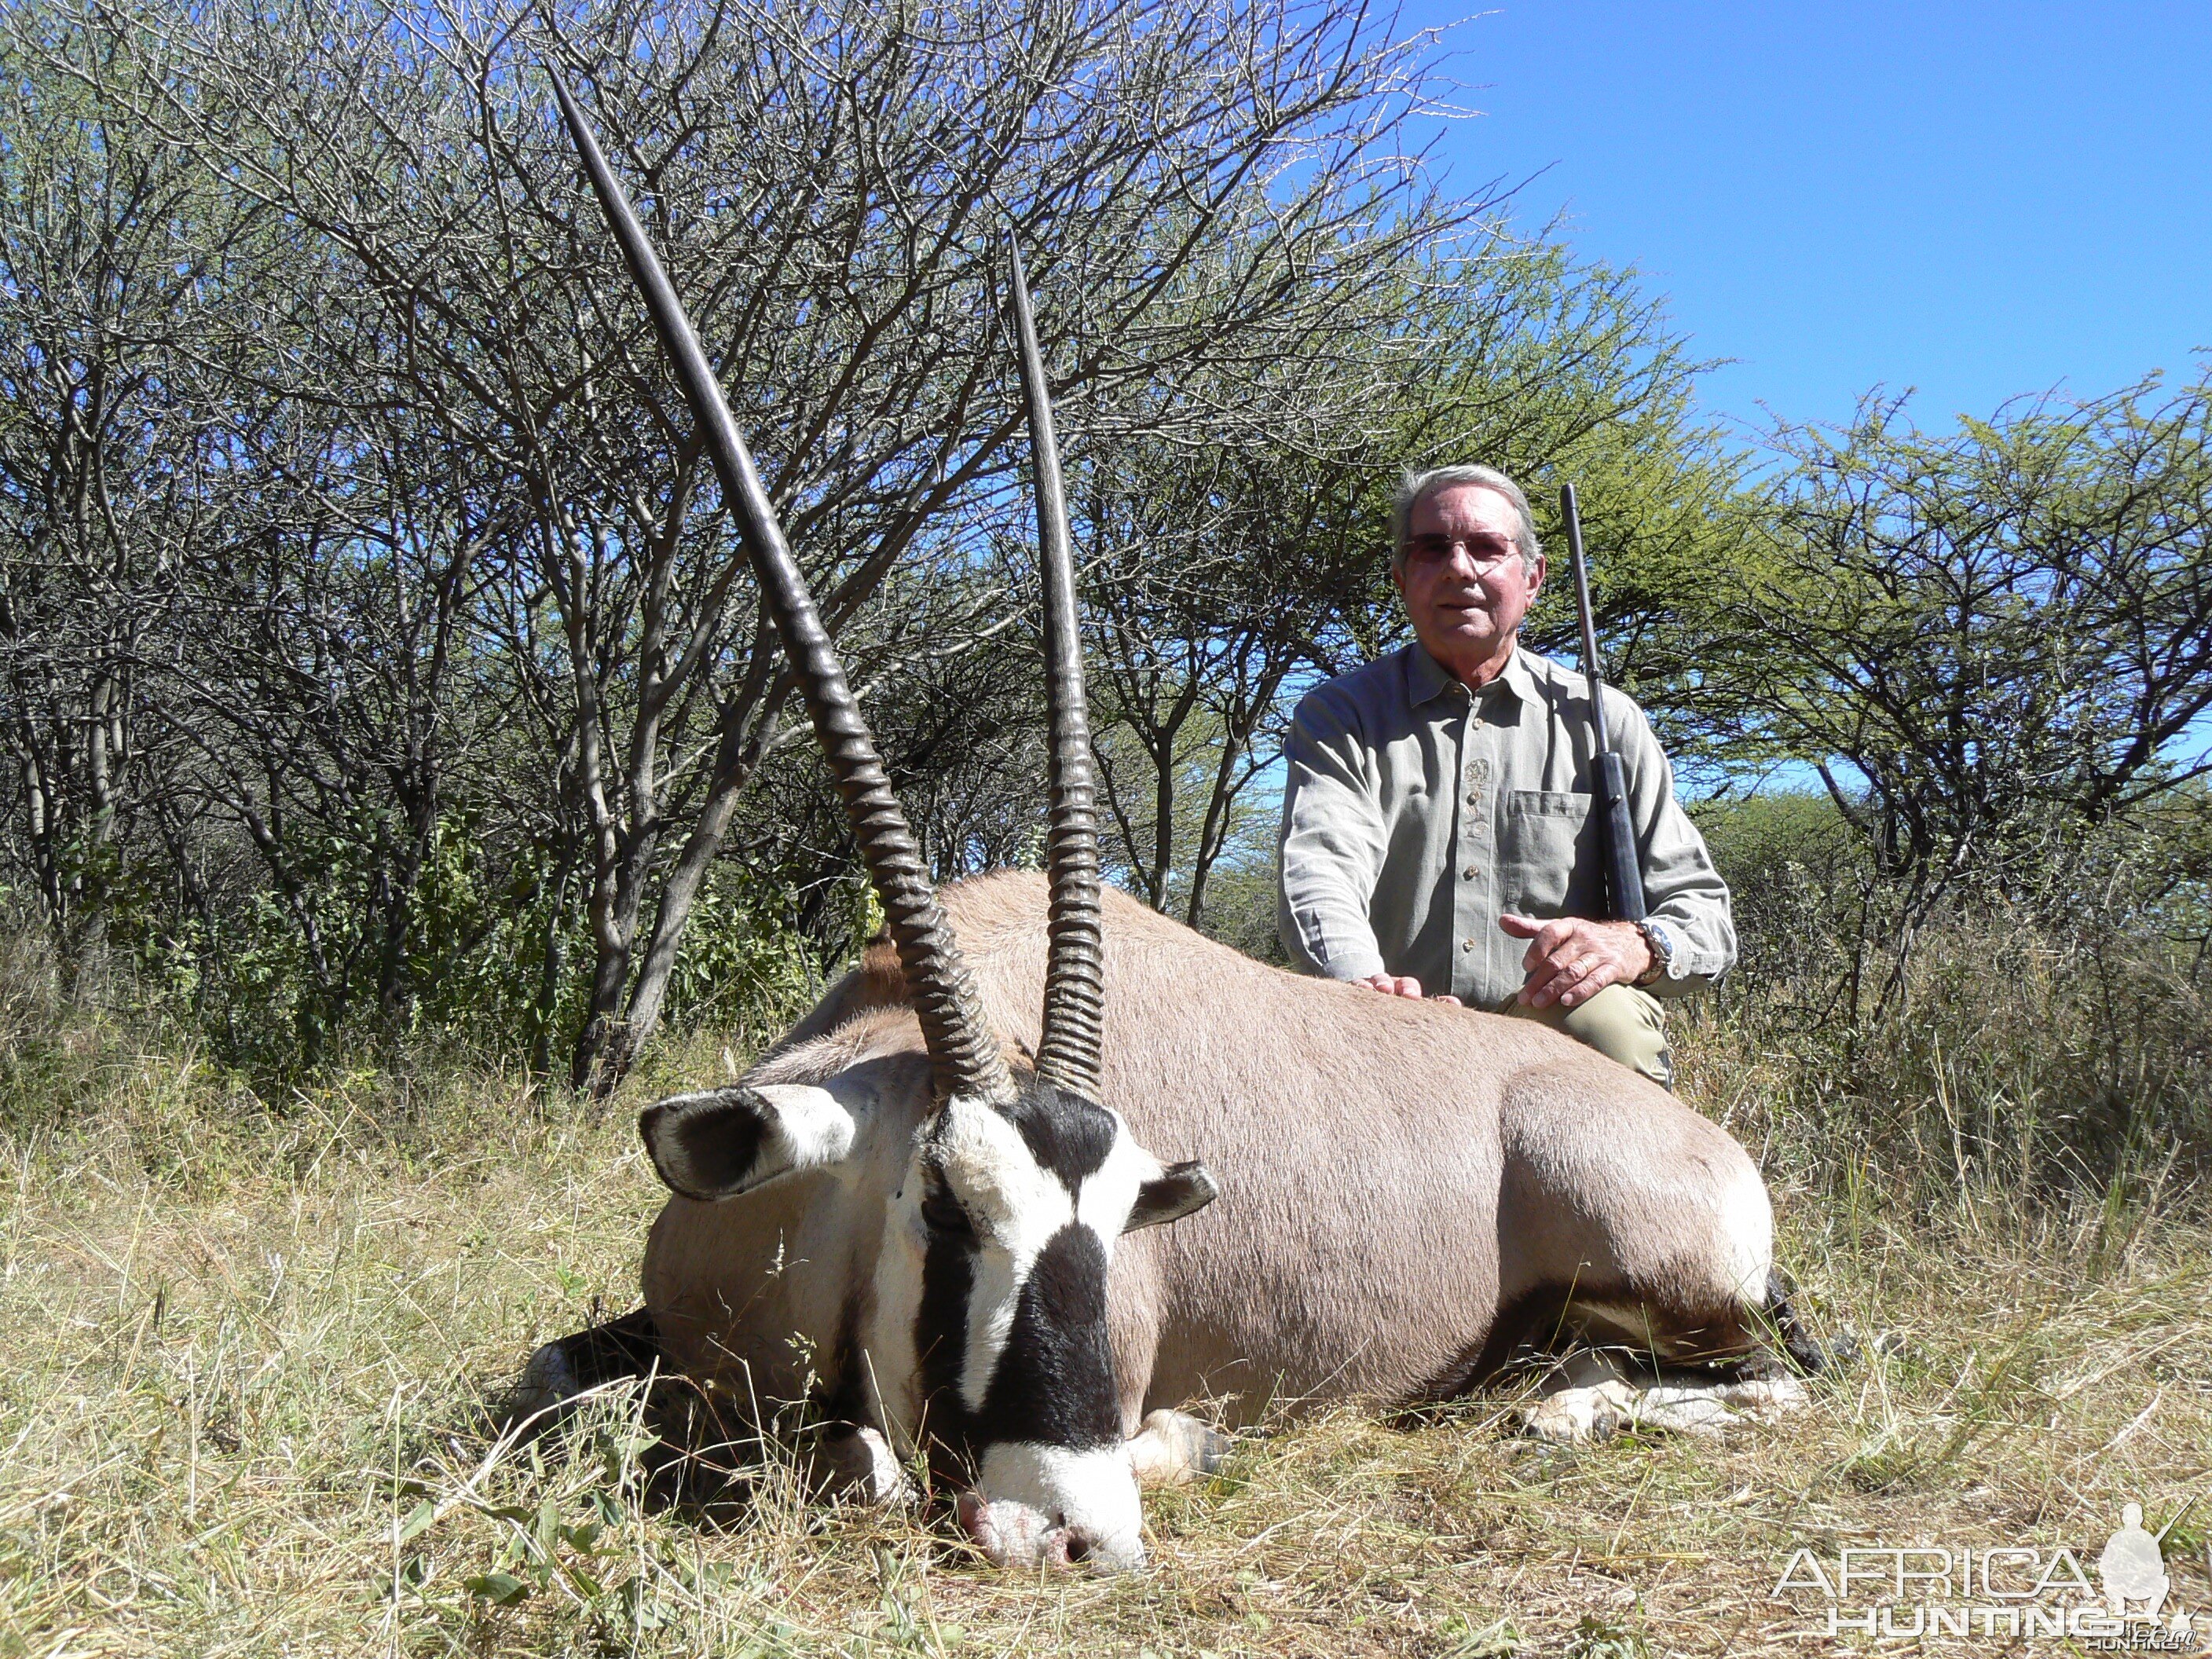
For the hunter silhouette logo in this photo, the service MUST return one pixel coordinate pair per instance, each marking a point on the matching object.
(2133, 1566)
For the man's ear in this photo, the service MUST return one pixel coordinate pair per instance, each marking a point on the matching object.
(1171, 1195)
(726, 1141)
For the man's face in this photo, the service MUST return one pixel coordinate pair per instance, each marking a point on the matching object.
(1464, 584)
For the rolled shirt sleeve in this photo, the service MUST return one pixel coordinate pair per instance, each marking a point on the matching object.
(1333, 842)
(1682, 890)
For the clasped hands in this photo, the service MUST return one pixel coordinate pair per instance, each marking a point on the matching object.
(1568, 960)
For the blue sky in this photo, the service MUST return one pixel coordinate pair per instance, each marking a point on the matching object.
(1975, 200)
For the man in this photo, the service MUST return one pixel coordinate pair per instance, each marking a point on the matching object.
(1437, 837)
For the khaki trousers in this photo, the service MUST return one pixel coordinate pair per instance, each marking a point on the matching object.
(1620, 1021)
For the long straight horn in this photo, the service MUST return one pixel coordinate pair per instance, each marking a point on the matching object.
(1074, 979)
(963, 1058)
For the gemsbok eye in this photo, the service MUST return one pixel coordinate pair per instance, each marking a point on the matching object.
(942, 1213)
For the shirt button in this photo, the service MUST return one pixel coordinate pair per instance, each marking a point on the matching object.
(1473, 871)
(1474, 798)
(1467, 944)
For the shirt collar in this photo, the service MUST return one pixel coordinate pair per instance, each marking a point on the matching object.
(1426, 678)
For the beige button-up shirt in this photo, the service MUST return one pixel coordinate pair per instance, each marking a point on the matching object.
(1415, 813)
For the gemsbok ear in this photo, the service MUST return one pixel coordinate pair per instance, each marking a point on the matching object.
(1175, 1192)
(722, 1142)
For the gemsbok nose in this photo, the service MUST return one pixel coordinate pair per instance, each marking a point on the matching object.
(1014, 1534)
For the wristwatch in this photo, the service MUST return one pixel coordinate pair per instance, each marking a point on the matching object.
(1660, 944)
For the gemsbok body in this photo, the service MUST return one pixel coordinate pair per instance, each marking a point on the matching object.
(937, 1209)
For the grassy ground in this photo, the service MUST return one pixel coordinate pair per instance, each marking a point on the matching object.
(248, 1343)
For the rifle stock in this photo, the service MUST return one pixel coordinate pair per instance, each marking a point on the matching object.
(1623, 875)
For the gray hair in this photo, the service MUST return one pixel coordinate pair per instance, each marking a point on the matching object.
(1415, 485)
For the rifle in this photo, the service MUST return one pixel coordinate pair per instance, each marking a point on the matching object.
(1616, 834)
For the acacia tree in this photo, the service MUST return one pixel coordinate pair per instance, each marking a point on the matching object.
(1977, 637)
(830, 186)
(1217, 583)
(118, 326)
(326, 684)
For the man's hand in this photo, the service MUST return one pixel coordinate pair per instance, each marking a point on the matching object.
(1400, 985)
(1570, 961)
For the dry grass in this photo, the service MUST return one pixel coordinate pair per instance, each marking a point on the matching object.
(248, 1349)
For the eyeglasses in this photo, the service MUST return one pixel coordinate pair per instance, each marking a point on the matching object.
(1482, 551)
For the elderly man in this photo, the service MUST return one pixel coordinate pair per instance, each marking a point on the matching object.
(1437, 837)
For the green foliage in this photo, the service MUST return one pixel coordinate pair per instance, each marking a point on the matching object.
(2032, 1053)
(1798, 880)
(746, 970)
(284, 986)
(1813, 906)
(477, 948)
(289, 979)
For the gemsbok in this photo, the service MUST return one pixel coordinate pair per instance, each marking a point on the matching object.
(937, 1209)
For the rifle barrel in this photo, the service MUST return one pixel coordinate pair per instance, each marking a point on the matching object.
(1583, 612)
(1616, 829)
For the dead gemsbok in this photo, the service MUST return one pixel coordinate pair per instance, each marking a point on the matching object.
(951, 1247)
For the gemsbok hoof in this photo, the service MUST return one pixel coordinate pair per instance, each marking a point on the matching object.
(1172, 1448)
(1579, 1416)
(1593, 1412)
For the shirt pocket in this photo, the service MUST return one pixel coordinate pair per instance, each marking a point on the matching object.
(1548, 842)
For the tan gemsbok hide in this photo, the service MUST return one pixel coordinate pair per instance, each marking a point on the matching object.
(935, 1210)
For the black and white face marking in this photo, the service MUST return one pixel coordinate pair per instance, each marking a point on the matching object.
(995, 1262)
